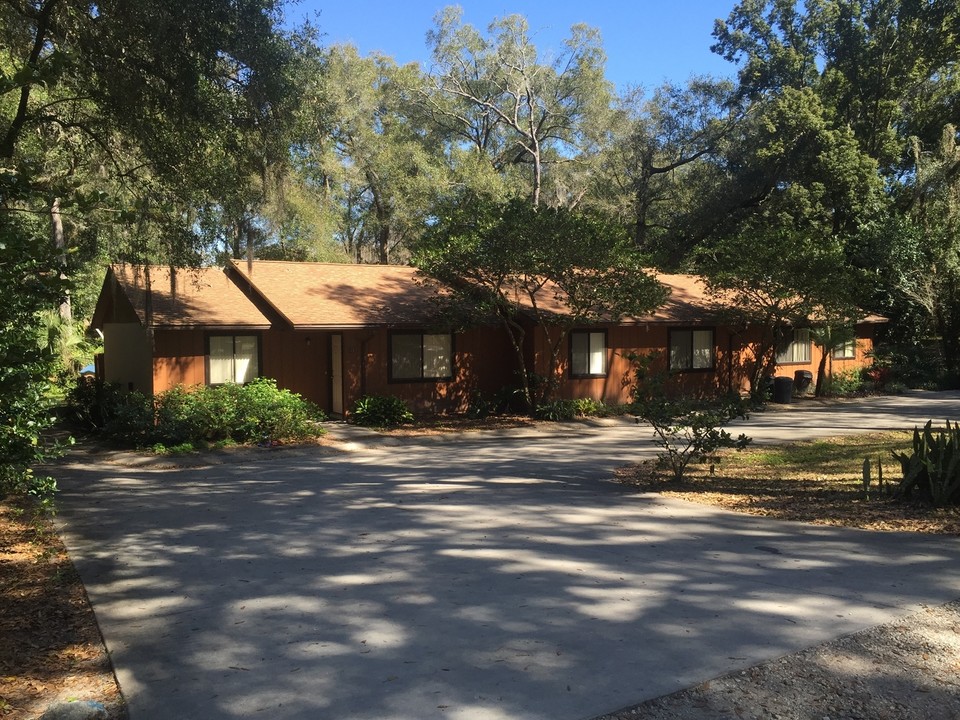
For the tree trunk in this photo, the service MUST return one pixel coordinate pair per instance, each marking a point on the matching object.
(554, 373)
(516, 334)
(821, 371)
(60, 243)
(235, 240)
(383, 245)
(9, 143)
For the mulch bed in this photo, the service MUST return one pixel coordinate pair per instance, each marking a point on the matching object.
(51, 649)
(812, 501)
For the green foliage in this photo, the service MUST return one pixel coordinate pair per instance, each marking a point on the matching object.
(690, 429)
(161, 449)
(686, 429)
(198, 416)
(494, 96)
(129, 418)
(510, 261)
(31, 283)
(484, 405)
(380, 411)
(844, 383)
(274, 414)
(855, 107)
(915, 364)
(557, 411)
(566, 410)
(376, 158)
(932, 469)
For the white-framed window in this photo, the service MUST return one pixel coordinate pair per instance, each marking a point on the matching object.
(232, 359)
(798, 351)
(588, 353)
(691, 350)
(847, 351)
(421, 356)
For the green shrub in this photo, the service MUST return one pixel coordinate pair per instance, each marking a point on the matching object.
(588, 407)
(896, 388)
(30, 277)
(178, 415)
(266, 412)
(380, 411)
(556, 411)
(502, 401)
(915, 364)
(844, 383)
(566, 410)
(198, 415)
(690, 429)
(686, 429)
(932, 470)
(128, 419)
(161, 449)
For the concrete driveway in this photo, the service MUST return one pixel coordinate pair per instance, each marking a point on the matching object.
(481, 578)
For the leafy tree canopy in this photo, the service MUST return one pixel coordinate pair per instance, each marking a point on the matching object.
(550, 267)
(497, 95)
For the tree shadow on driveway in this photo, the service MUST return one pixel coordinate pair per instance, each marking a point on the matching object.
(465, 580)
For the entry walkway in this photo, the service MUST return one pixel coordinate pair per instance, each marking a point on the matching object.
(484, 578)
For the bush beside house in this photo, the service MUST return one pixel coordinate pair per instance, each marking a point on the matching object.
(196, 416)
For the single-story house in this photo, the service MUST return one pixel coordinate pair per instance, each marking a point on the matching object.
(336, 332)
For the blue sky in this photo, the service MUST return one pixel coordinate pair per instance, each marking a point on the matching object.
(646, 41)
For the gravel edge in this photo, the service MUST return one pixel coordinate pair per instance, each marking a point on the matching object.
(908, 669)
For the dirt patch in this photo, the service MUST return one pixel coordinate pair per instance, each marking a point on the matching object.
(905, 670)
(50, 645)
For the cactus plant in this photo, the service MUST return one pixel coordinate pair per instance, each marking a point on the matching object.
(932, 470)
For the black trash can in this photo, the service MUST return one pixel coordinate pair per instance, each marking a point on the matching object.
(782, 390)
(802, 380)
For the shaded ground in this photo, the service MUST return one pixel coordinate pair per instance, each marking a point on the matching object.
(796, 482)
(905, 670)
(50, 645)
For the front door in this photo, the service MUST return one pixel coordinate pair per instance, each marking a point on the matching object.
(336, 374)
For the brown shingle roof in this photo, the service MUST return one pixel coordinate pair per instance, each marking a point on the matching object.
(341, 295)
(687, 302)
(188, 297)
(338, 295)
(345, 295)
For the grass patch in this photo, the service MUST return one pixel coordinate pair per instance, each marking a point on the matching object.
(835, 458)
(818, 481)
